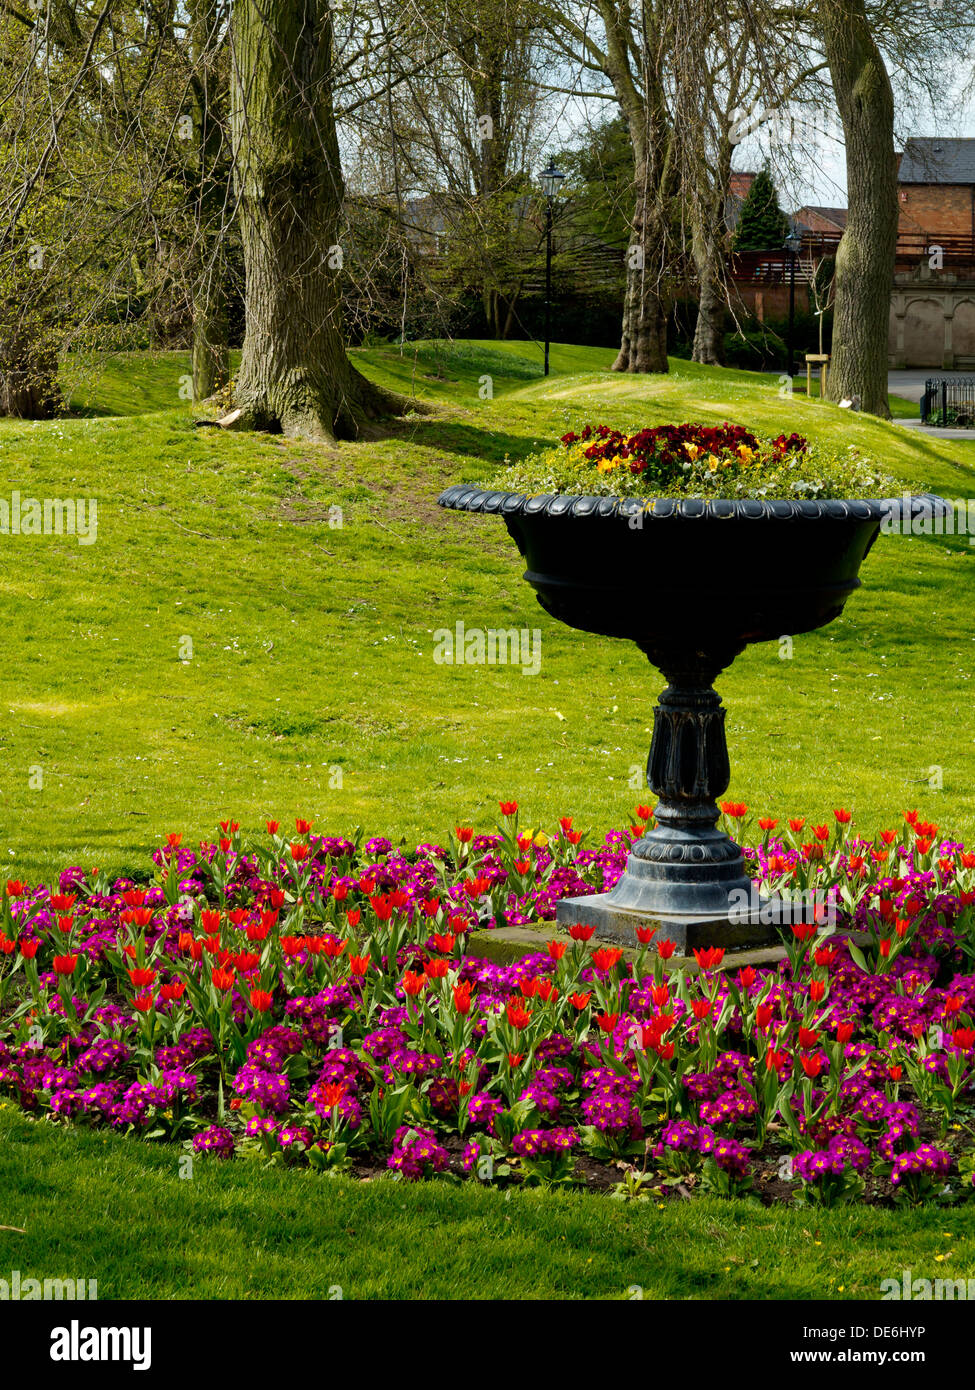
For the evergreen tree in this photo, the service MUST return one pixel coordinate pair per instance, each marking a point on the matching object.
(762, 224)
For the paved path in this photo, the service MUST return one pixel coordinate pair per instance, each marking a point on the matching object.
(910, 386)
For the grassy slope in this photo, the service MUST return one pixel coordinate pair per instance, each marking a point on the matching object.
(312, 646)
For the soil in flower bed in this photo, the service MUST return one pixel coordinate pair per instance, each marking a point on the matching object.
(310, 1000)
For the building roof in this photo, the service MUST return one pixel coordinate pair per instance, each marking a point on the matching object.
(835, 215)
(741, 182)
(938, 159)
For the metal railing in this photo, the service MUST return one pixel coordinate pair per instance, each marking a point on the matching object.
(949, 401)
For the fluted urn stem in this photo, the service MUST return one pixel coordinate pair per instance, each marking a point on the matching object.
(688, 768)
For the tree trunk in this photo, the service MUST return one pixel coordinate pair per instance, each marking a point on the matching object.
(209, 174)
(709, 329)
(646, 304)
(708, 250)
(29, 388)
(294, 373)
(643, 347)
(866, 253)
(211, 352)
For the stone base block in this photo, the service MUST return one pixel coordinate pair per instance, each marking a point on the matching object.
(618, 925)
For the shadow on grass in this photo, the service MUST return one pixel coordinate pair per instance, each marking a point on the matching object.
(454, 437)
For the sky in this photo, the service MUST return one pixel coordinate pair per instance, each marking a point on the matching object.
(815, 142)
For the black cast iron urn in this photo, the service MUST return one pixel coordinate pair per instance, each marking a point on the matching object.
(692, 583)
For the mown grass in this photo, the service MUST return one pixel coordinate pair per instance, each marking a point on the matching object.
(311, 651)
(311, 644)
(95, 1206)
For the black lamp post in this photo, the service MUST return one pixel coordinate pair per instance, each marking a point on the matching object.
(793, 244)
(551, 178)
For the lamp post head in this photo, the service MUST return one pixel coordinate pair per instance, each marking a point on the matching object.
(550, 180)
(793, 243)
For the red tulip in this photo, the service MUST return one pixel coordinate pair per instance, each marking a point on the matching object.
(580, 1000)
(260, 1000)
(332, 1094)
(65, 965)
(606, 957)
(581, 931)
(222, 979)
(557, 949)
(709, 958)
(518, 1016)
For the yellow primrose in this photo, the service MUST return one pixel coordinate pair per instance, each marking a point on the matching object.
(692, 451)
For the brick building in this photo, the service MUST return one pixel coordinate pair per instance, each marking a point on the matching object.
(932, 309)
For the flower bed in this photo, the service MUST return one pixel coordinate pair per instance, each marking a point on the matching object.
(318, 1001)
(694, 460)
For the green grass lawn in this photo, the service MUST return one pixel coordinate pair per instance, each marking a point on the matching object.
(103, 1207)
(224, 650)
(311, 644)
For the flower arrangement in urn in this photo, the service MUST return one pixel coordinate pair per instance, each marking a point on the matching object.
(695, 460)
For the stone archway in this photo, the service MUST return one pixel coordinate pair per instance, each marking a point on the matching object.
(963, 334)
(924, 332)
